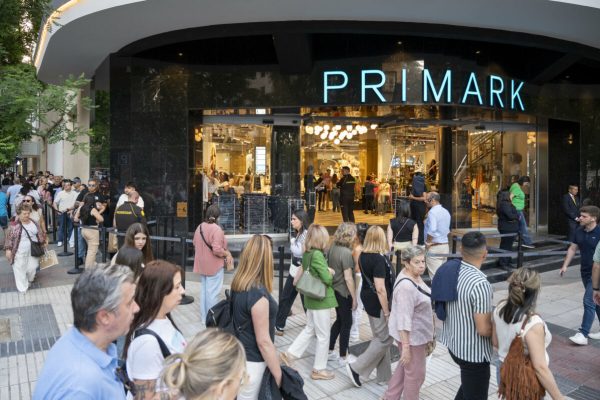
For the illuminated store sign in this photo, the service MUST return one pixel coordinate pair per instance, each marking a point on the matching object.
(494, 91)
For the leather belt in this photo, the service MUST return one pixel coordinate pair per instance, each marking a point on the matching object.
(437, 244)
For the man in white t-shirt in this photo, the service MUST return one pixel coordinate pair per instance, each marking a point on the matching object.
(12, 193)
(130, 186)
(64, 203)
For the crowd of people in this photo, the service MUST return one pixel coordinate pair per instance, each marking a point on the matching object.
(124, 342)
(30, 205)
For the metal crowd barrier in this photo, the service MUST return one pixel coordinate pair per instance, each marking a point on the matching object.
(104, 231)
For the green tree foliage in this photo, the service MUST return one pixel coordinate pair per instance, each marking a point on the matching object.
(29, 107)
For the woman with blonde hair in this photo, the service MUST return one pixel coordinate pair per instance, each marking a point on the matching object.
(375, 294)
(340, 260)
(516, 314)
(212, 366)
(318, 312)
(254, 311)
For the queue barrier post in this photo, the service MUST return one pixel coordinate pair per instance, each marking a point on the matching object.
(164, 244)
(281, 268)
(65, 252)
(519, 250)
(185, 299)
(54, 229)
(104, 241)
(75, 269)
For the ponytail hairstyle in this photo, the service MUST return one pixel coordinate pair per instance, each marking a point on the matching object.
(212, 214)
(210, 358)
(523, 288)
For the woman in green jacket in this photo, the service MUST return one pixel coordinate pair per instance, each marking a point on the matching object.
(318, 312)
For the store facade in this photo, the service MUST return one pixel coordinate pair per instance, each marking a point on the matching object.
(262, 105)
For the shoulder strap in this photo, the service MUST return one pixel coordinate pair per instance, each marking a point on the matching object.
(415, 285)
(400, 230)
(163, 347)
(365, 277)
(205, 242)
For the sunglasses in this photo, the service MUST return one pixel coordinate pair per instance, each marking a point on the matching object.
(26, 201)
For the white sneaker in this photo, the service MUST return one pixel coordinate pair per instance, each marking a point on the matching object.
(333, 356)
(579, 339)
(595, 336)
(59, 244)
(71, 245)
(354, 339)
(350, 358)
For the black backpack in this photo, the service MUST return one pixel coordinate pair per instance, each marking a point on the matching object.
(221, 315)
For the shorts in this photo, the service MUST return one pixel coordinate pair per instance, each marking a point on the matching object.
(4, 222)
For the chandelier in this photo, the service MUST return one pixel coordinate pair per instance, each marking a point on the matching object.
(337, 133)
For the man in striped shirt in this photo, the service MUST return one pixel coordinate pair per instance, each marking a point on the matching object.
(467, 329)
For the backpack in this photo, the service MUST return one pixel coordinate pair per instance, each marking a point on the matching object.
(221, 315)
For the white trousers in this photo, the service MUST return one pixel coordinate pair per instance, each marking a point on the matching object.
(251, 389)
(24, 269)
(432, 261)
(318, 324)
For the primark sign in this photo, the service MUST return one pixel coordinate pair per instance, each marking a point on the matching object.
(434, 87)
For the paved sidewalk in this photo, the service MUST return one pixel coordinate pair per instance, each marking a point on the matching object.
(31, 323)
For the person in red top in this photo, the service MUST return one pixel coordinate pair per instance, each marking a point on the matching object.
(210, 257)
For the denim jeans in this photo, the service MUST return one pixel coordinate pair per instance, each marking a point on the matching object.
(61, 223)
(523, 228)
(81, 245)
(589, 307)
(209, 291)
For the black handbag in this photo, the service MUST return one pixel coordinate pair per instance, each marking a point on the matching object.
(37, 250)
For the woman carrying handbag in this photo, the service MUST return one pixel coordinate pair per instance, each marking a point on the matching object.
(318, 309)
(523, 376)
(25, 243)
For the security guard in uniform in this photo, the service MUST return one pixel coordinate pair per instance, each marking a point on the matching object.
(127, 214)
(346, 185)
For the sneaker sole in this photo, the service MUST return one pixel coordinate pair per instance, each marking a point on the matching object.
(349, 373)
(577, 343)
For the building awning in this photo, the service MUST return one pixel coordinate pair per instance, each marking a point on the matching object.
(90, 30)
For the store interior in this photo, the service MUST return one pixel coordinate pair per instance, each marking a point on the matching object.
(387, 143)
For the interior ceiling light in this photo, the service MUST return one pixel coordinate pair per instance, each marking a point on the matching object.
(326, 127)
(349, 127)
(324, 135)
(343, 135)
(373, 126)
(309, 129)
(332, 135)
(336, 141)
(318, 129)
(337, 127)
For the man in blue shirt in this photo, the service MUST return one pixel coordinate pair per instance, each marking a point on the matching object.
(82, 363)
(585, 240)
(437, 228)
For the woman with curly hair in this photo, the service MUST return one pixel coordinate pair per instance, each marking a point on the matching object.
(341, 261)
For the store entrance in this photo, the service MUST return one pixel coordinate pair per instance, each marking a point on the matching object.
(467, 160)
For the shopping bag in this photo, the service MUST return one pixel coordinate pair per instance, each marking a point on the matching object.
(49, 259)
(113, 243)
